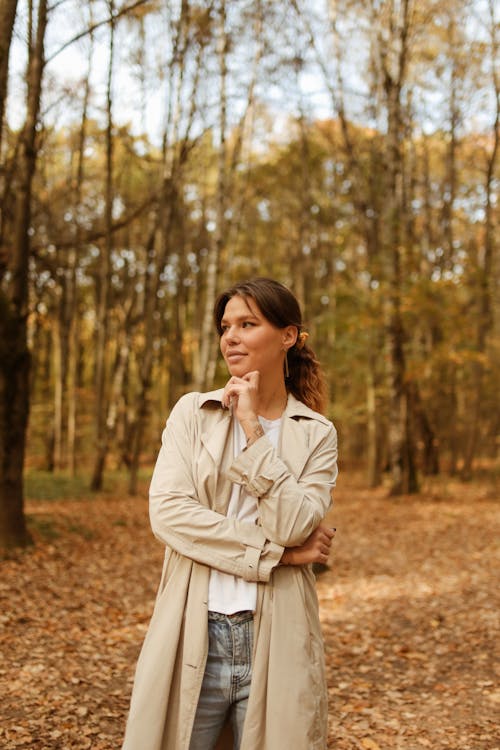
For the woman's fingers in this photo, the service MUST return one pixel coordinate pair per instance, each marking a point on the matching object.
(325, 534)
(242, 394)
(323, 540)
(231, 390)
(236, 387)
(316, 548)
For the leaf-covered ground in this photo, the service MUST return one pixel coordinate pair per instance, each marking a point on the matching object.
(410, 609)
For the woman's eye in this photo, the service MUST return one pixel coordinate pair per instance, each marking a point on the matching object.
(247, 324)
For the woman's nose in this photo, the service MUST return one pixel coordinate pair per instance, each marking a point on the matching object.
(232, 333)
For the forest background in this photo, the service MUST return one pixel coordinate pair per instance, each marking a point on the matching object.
(152, 153)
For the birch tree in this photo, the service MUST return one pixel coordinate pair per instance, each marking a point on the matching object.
(103, 285)
(191, 35)
(206, 370)
(229, 192)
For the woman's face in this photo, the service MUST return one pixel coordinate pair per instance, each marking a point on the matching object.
(250, 342)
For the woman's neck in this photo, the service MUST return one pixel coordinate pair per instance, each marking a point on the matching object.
(272, 400)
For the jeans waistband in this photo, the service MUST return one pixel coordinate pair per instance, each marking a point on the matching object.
(235, 618)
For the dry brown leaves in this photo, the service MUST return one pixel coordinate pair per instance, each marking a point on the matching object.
(409, 607)
(411, 621)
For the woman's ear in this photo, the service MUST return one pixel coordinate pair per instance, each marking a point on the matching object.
(290, 334)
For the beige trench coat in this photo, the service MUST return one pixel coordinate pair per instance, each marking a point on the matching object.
(189, 496)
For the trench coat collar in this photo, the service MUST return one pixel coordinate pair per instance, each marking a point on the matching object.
(294, 408)
(292, 434)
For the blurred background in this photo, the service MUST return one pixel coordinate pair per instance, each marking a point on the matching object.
(152, 153)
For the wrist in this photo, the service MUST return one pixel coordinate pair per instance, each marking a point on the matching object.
(252, 428)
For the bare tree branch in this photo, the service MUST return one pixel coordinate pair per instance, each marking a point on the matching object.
(95, 26)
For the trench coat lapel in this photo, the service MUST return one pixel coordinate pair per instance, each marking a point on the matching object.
(218, 442)
(293, 446)
(215, 436)
(294, 442)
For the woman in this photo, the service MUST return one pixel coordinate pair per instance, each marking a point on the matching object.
(242, 483)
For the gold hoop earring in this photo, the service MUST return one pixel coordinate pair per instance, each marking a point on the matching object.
(287, 371)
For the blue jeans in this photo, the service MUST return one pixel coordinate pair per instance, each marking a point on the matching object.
(226, 683)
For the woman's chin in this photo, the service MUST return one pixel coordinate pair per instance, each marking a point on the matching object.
(238, 369)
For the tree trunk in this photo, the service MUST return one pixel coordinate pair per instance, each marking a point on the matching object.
(150, 302)
(450, 182)
(111, 416)
(485, 264)
(178, 375)
(393, 62)
(412, 485)
(72, 396)
(175, 153)
(71, 318)
(302, 260)
(454, 439)
(59, 360)
(7, 18)
(208, 346)
(430, 457)
(14, 409)
(104, 281)
(15, 356)
(374, 467)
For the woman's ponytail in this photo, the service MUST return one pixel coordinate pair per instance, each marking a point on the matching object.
(306, 380)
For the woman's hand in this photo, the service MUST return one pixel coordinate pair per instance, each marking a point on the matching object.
(243, 395)
(315, 549)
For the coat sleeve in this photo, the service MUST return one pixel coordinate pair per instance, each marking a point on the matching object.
(180, 521)
(290, 508)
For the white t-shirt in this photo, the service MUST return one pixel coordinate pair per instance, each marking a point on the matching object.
(227, 593)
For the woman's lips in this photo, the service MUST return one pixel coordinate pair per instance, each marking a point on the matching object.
(234, 356)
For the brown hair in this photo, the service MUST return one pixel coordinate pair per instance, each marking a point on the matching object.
(281, 308)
